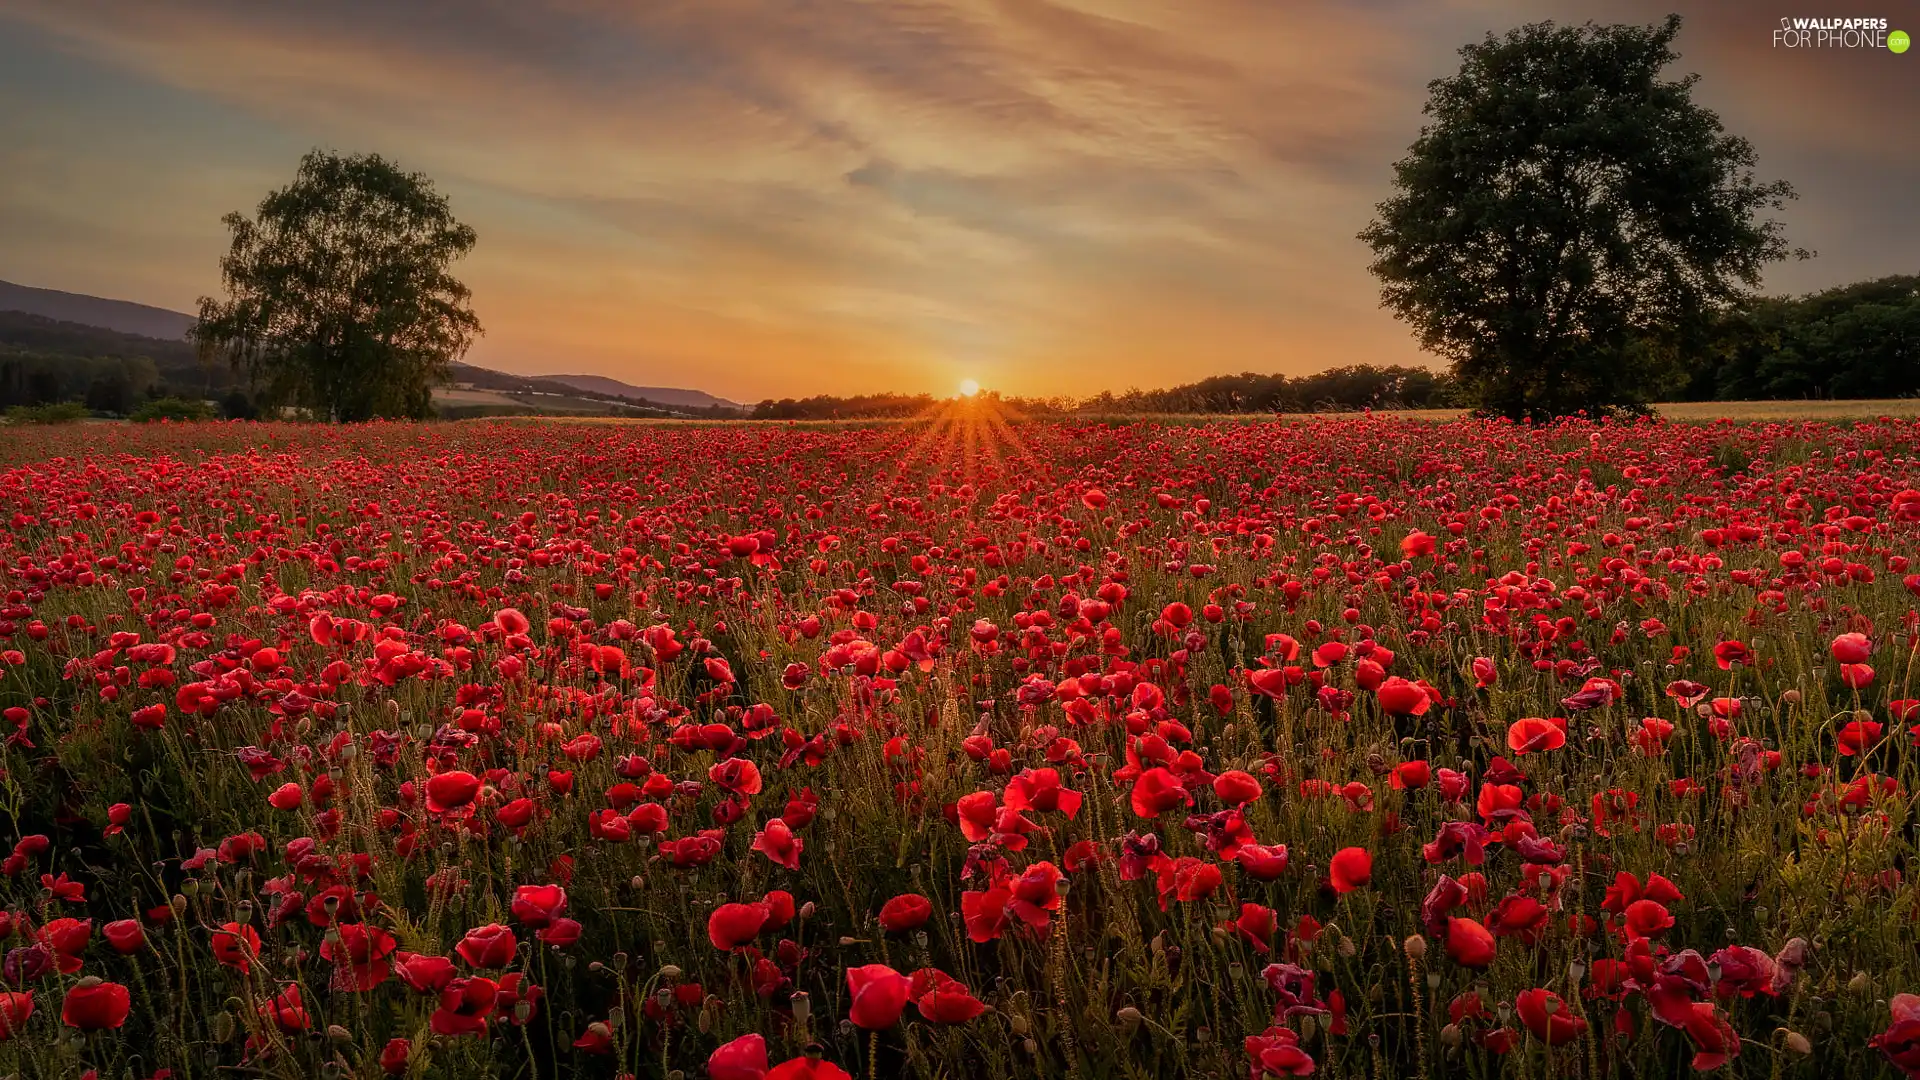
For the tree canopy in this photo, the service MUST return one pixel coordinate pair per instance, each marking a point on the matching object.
(339, 298)
(1853, 341)
(1570, 222)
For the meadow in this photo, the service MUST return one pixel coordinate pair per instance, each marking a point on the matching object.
(1355, 747)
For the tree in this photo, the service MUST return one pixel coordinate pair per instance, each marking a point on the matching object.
(338, 295)
(1569, 223)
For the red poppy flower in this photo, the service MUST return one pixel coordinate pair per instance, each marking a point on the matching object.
(1469, 943)
(1728, 653)
(1041, 789)
(745, 1058)
(359, 953)
(16, 1008)
(985, 912)
(287, 1010)
(424, 974)
(807, 1068)
(732, 926)
(1276, 1052)
(1350, 869)
(125, 935)
(94, 1005)
(236, 945)
(1402, 698)
(1852, 648)
(1236, 787)
(1156, 791)
(1531, 734)
(778, 843)
(464, 1007)
(1857, 736)
(537, 905)
(908, 911)
(1647, 918)
(1548, 1017)
(489, 946)
(1261, 862)
(450, 791)
(738, 775)
(1268, 682)
(1900, 1042)
(1256, 924)
(878, 994)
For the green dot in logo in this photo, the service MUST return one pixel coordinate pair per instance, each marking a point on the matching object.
(1898, 41)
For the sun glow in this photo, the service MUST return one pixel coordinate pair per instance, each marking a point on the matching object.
(969, 387)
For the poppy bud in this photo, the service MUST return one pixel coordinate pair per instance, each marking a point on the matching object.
(1794, 1041)
(1416, 948)
(1129, 1016)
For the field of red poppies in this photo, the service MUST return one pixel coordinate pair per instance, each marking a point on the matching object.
(966, 748)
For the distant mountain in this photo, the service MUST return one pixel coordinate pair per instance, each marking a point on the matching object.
(60, 320)
(659, 395)
(120, 315)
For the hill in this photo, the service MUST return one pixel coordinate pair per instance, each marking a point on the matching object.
(123, 316)
(659, 395)
(54, 323)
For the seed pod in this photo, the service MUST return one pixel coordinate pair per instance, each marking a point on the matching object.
(1450, 1036)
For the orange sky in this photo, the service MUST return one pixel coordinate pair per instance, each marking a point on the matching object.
(781, 198)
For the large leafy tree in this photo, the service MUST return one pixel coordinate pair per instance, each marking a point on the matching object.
(339, 298)
(1569, 222)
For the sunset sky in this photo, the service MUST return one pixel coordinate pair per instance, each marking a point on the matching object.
(765, 198)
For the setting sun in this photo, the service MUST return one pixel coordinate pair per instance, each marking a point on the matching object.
(969, 387)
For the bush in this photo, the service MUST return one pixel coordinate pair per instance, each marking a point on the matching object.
(59, 412)
(171, 408)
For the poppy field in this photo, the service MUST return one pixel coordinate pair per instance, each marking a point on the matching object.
(972, 747)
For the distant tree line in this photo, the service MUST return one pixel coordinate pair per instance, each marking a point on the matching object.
(1353, 387)
(859, 406)
(1854, 341)
(45, 361)
(107, 384)
(1341, 389)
